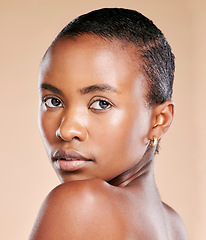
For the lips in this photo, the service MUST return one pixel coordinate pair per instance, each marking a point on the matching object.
(70, 160)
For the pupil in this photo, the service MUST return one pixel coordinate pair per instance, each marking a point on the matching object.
(103, 104)
(55, 102)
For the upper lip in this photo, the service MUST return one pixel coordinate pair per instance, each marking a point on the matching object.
(69, 155)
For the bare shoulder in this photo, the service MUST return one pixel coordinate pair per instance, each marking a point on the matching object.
(176, 225)
(79, 210)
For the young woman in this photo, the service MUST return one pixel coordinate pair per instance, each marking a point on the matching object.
(105, 88)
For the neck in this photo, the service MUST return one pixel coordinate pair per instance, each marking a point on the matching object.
(144, 166)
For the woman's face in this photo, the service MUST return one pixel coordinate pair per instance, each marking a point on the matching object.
(93, 115)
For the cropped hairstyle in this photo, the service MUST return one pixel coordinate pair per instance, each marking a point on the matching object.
(129, 26)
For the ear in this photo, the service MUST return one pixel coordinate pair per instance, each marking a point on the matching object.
(162, 116)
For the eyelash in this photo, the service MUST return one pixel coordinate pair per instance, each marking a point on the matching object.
(47, 100)
(100, 100)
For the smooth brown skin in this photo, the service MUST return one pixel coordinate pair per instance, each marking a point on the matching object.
(114, 195)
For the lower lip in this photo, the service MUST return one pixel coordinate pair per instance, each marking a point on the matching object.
(71, 165)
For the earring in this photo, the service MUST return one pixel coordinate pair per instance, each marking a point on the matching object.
(153, 142)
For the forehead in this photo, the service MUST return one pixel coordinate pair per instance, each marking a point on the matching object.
(91, 58)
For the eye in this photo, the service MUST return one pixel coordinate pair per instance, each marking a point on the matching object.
(100, 105)
(52, 102)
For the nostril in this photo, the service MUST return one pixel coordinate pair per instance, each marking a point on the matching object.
(75, 137)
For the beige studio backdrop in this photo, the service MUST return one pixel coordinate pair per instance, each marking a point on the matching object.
(27, 29)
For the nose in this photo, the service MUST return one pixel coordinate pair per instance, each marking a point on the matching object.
(70, 129)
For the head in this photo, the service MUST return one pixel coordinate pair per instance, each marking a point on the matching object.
(118, 64)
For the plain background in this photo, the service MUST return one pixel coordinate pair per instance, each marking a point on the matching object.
(27, 29)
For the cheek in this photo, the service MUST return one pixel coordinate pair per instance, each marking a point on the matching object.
(121, 133)
(48, 124)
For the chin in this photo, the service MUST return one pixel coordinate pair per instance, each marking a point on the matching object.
(72, 177)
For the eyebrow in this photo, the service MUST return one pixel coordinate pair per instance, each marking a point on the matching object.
(85, 90)
(98, 87)
(51, 88)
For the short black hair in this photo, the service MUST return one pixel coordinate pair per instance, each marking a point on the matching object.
(130, 26)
